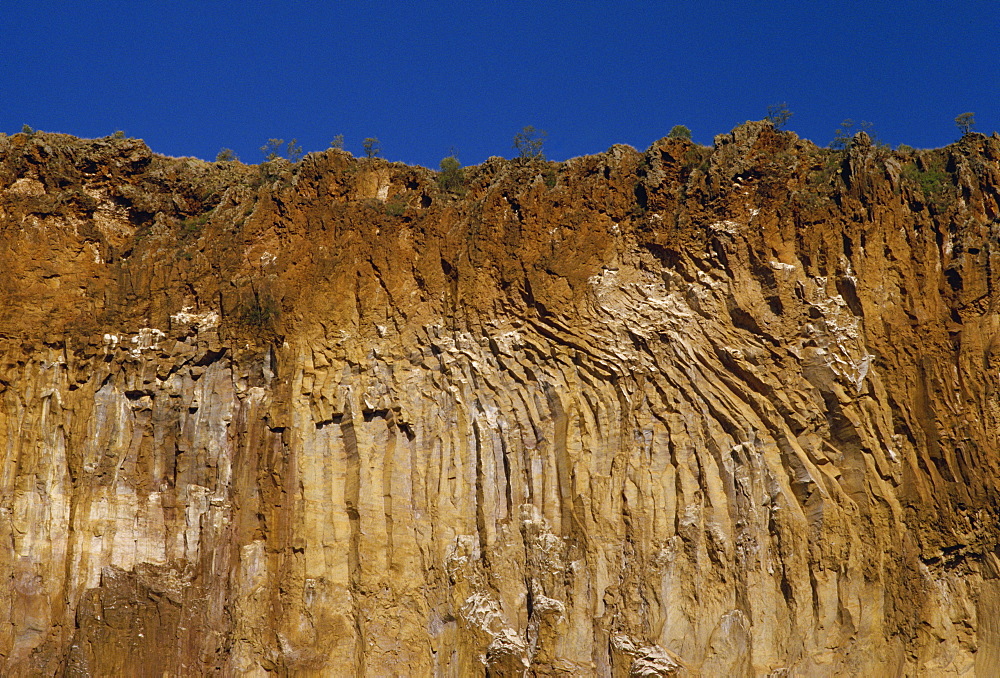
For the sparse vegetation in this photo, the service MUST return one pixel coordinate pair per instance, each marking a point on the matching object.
(260, 312)
(530, 143)
(119, 134)
(371, 147)
(679, 132)
(338, 142)
(697, 158)
(194, 225)
(226, 155)
(843, 136)
(27, 129)
(396, 208)
(637, 211)
(824, 177)
(778, 115)
(259, 309)
(271, 171)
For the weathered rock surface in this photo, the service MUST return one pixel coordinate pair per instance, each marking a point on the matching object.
(692, 411)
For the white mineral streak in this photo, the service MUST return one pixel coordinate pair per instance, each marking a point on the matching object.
(201, 321)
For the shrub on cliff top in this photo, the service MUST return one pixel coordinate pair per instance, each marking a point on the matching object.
(452, 178)
(679, 132)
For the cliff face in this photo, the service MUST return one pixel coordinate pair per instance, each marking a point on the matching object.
(692, 411)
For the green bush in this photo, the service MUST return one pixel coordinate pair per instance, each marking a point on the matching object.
(451, 178)
(930, 181)
(226, 155)
(933, 183)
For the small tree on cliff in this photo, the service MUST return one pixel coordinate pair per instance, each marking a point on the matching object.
(372, 147)
(778, 115)
(843, 136)
(452, 178)
(529, 143)
(272, 150)
(965, 122)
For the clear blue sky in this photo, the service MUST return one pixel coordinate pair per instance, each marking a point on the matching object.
(192, 77)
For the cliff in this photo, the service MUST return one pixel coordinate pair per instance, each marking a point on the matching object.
(689, 411)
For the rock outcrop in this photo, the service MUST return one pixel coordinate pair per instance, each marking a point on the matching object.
(694, 411)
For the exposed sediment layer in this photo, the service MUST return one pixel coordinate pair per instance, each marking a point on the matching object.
(693, 411)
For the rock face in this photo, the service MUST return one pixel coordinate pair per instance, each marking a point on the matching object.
(718, 412)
